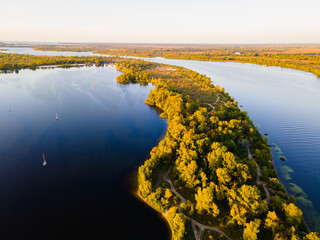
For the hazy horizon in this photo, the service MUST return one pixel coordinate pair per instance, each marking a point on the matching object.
(165, 22)
(155, 43)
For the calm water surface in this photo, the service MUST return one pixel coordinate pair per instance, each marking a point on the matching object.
(103, 133)
(283, 103)
(27, 50)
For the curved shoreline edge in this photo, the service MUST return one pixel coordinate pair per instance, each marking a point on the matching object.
(154, 186)
(233, 55)
(200, 83)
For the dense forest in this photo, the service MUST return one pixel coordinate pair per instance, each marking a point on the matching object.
(212, 176)
(202, 174)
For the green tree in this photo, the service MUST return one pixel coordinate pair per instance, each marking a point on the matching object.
(251, 230)
(177, 223)
(205, 203)
(272, 221)
(223, 176)
(167, 194)
(279, 236)
(293, 214)
(312, 236)
(246, 202)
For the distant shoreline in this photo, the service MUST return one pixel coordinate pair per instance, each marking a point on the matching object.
(60, 66)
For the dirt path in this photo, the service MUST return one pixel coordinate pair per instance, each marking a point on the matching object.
(211, 105)
(264, 184)
(197, 227)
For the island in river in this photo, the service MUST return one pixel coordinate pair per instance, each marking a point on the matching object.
(212, 174)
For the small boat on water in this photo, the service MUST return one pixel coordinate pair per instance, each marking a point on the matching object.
(57, 117)
(44, 160)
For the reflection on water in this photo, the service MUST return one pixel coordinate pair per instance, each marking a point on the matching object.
(30, 51)
(104, 130)
(285, 104)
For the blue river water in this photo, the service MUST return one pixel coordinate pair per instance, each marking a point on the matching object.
(104, 131)
(285, 105)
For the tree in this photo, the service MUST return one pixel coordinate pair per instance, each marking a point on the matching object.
(188, 207)
(215, 157)
(276, 203)
(238, 214)
(167, 194)
(279, 236)
(251, 230)
(223, 176)
(177, 223)
(145, 188)
(205, 203)
(292, 233)
(312, 236)
(203, 179)
(293, 214)
(245, 202)
(272, 221)
(188, 173)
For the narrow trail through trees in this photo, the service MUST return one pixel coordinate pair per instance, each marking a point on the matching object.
(197, 227)
(211, 105)
(264, 184)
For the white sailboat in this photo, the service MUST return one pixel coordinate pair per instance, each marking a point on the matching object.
(44, 160)
(57, 117)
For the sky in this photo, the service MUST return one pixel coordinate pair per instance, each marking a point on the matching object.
(164, 21)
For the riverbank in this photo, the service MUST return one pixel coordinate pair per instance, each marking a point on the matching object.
(14, 62)
(60, 66)
(300, 57)
(102, 133)
(185, 84)
(184, 107)
(132, 183)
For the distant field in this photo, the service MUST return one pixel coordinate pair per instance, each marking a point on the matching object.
(301, 57)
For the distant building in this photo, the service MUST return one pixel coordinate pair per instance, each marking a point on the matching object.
(237, 53)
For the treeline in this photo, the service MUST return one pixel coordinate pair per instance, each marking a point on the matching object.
(15, 62)
(64, 48)
(210, 164)
(208, 154)
(308, 64)
(134, 72)
(300, 57)
(282, 56)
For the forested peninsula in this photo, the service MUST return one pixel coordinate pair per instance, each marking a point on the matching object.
(212, 175)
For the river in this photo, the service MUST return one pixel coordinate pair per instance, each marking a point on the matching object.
(285, 105)
(104, 131)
